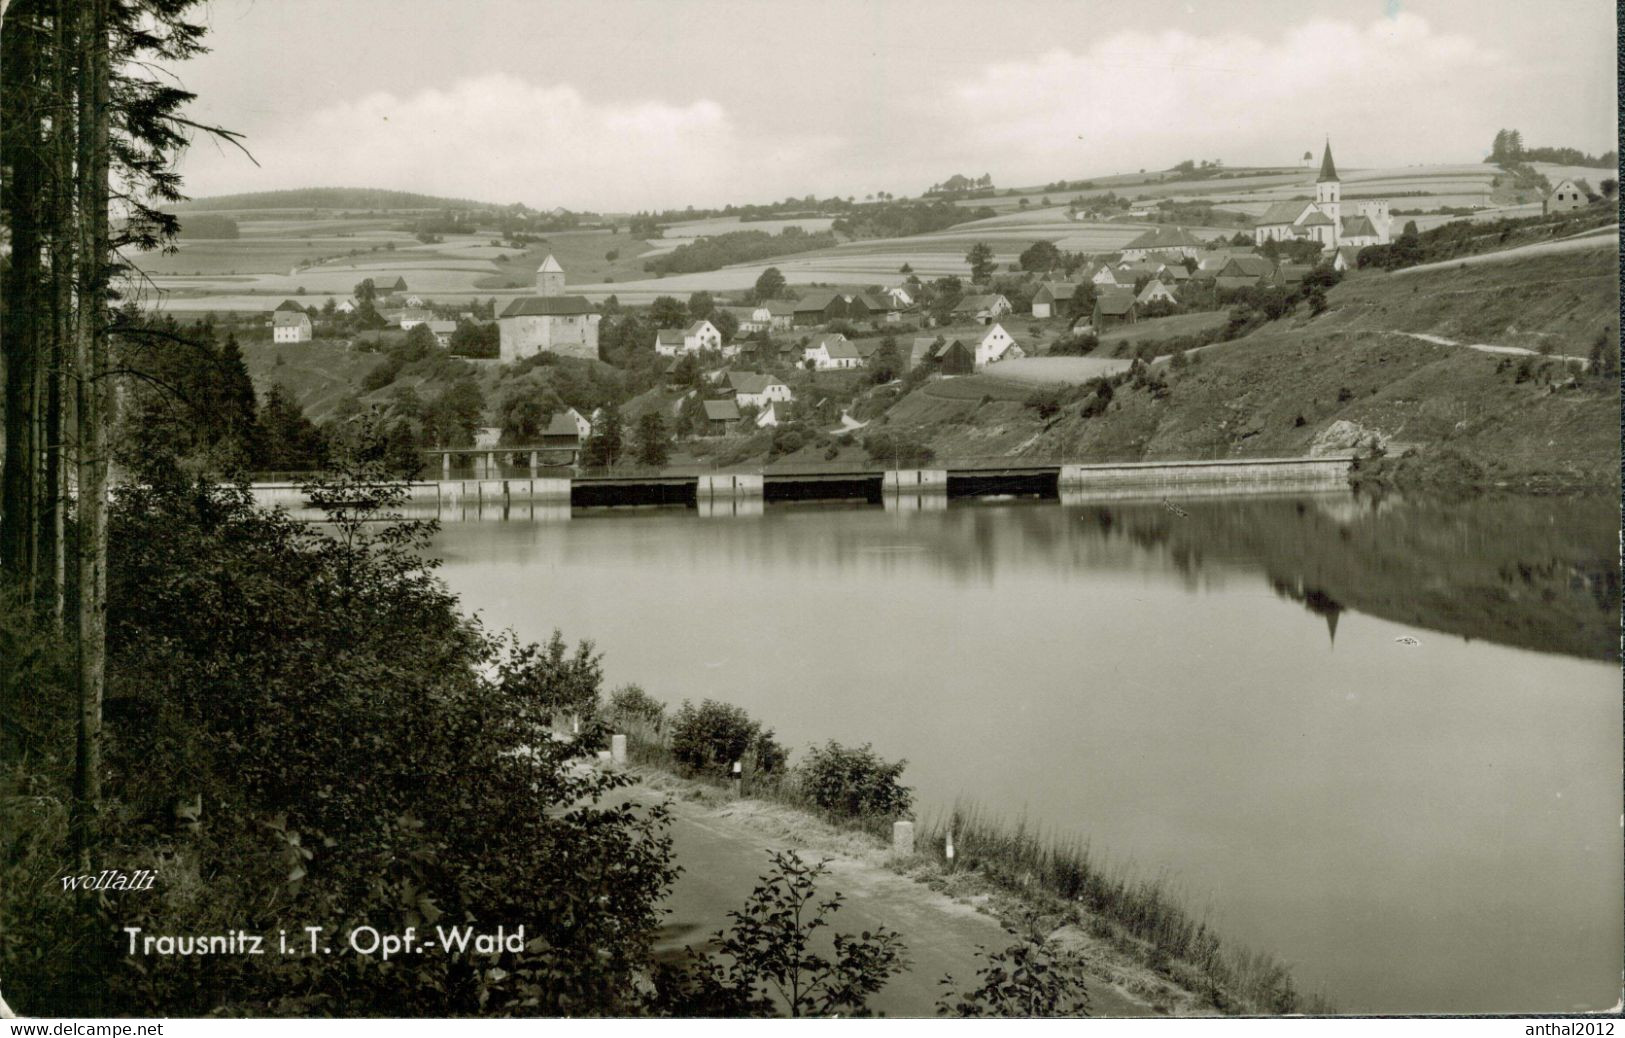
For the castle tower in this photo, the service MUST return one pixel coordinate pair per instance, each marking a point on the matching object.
(550, 278)
(1329, 191)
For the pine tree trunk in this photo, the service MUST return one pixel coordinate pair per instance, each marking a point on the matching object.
(62, 242)
(91, 392)
(20, 69)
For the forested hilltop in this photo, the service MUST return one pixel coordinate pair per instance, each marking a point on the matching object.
(328, 198)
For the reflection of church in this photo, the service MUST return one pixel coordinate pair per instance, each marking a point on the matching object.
(1323, 220)
(1313, 599)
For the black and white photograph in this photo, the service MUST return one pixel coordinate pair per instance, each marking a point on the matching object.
(707, 510)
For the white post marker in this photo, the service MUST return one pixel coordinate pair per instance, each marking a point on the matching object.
(617, 749)
(738, 776)
(949, 849)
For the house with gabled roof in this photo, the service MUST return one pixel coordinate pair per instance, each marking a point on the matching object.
(753, 389)
(550, 321)
(832, 351)
(1163, 239)
(818, 306)
(1156, 291)
(984, 308)
(995, 345)
(701, 335)
(1053, 298)
(290, 323)
(1569, 194)
(781, 314)
(1346, 258)
(720, 417)
(1113, 307)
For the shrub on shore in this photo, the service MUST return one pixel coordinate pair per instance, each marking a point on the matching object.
(710, 738)
(853, 781)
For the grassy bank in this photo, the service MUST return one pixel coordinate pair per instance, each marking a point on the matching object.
(1134, 927)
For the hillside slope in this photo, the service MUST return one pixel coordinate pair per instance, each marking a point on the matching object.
(1300, 385)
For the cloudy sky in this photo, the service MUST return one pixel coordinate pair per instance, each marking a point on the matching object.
(631, 104)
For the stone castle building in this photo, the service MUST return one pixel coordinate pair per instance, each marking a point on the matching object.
(548, 321)
(1324, 219)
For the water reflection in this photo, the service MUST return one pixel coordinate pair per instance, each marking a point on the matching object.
(1314, 711)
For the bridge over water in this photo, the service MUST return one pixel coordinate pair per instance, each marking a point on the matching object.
(498, 485)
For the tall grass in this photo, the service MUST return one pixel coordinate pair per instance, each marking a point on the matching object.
(1026, 860)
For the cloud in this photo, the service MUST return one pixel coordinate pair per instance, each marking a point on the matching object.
(1394, 91)
(500, 138)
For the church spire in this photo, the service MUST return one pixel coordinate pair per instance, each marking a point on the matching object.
(1328, 171)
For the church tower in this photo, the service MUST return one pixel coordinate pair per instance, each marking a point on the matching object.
(550, 278)
(1329, 191)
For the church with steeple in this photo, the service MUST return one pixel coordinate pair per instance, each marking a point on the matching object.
(1325, 220)
(550, 320)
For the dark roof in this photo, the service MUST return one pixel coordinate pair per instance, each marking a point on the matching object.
(1328, 171)
(1291, 273)
(1115, 302)
(548, 306)
(815, 301)
(780, 307)
(1316, 219)
(289, 318)
(1245, 266)
(750, 382)
(288, 304)
(672, 336)
(399, 285)
(1164, 238)
(1229, 284)
(1056, 291)
(1283, 212)
(721, 411)
(1358, 227)
(562, 425)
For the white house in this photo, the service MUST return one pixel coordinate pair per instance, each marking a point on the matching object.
(995, 345)
(414, 301)
(755, 390)
(1567, 195)
(549, 321)
(1323, 220)
(583, 427)
(410, 318)
(290, 325)
(831, 351)
(701, 335)
(1053, 297)
(901, 296)
(344, 306)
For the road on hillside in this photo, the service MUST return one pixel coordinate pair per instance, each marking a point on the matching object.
(1600, 238)
(722, 861)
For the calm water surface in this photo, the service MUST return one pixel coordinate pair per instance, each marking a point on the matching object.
(1227, 697)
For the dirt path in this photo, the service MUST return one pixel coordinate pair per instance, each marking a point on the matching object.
(723, 850)
(1519, 351)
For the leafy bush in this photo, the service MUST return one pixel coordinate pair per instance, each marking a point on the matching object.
(712, 736)
(1045, 401)
(630, 706)
(1028, 979)
(853, 781)
(769, 951)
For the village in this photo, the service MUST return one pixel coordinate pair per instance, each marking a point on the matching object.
(763, 358)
